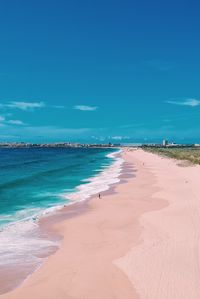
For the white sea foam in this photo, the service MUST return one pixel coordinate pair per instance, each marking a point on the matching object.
(99, 183)
(94, 185)
(21, 242)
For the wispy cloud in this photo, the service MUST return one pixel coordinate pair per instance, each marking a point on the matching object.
(15, 122)
(119, 137)
(188, 102)
(110, 138)
(28, 106)
(85, 108)
(4, 121)
(23, 105)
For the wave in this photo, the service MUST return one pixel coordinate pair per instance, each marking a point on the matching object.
(21, 164)
(107, 175)
(34, 177)
(94, 185)
(100, 182)
(21, 241)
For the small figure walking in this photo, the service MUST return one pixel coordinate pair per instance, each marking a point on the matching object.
(99, 195)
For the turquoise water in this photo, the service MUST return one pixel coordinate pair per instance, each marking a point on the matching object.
(38, 178)
(37, 181)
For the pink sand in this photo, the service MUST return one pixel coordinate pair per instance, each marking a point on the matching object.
(142, 241)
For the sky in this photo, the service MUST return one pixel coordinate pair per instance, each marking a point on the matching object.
(99, 71)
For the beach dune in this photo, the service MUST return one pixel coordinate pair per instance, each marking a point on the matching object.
(140, 240)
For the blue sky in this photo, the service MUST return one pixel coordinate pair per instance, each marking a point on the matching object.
(99, 70)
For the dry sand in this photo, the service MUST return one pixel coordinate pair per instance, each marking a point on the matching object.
(140, 241)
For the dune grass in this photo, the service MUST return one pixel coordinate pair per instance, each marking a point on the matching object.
(190, 154)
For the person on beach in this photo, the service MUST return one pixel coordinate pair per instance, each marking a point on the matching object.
(99, 195)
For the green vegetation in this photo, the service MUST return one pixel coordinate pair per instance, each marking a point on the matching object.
(180, 153)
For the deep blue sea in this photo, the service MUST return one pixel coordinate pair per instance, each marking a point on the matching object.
(37, 181)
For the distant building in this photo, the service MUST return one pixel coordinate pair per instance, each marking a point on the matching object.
(173, 144)
(165, 142)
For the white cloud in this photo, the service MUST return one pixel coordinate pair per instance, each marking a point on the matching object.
(15, 122)
(4, 121)
(106, 138)
(85, 108)
(25, 106)
(187, 102)
(120, 137)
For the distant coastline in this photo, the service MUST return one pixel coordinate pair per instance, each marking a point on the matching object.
(55, 145)
(63, 144)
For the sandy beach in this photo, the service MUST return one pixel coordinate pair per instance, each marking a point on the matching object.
(139, 241)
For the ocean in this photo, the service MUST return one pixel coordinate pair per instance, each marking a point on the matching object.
(36, 182)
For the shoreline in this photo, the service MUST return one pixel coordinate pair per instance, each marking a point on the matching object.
(139, 241)
(12, 279)
(71, 254)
